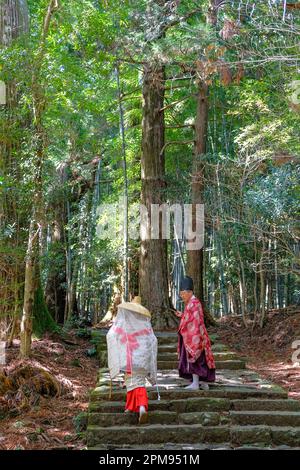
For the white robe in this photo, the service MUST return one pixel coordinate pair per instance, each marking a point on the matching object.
(132, 349)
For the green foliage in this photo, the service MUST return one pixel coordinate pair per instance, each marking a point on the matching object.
(251, 125)
(80, 422)
(75, 362)
(83, 333)
(92, 352)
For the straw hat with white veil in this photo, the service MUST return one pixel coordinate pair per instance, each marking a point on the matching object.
(132, 345)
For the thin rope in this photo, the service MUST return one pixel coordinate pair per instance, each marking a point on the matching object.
(110, 389)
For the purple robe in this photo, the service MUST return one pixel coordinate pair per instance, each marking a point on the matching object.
(199, 367)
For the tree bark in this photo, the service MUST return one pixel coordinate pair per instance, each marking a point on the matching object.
(14, 20)
(55, 291)
(255, 288)
(32, 261)
(125, 208)
(243, 290)
(29, 290)
(153, 273)
(262, 286)
(195, 257)
(13, 24)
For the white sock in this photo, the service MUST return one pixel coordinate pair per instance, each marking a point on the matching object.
(196, 380)
(195, 384)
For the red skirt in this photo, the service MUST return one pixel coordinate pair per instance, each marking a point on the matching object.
(136, 398)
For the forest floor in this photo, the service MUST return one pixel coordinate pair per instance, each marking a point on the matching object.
(50, 422)
(268, 350)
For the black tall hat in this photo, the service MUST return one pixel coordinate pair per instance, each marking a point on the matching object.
(187, 283)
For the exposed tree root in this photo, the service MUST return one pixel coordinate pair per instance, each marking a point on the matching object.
(22, 387)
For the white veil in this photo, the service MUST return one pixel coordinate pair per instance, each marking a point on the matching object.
(132, 345)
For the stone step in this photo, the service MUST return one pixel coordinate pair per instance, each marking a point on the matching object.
(169, 353)
(170, 379)
(265, 435)
(230, 364)
(126, 419)
(170, 348)
(166, 339)
(202, 404)
(286, 436)
(193, 433)
(165, 348)
(169, 446)
(215, 391)
(159, 417)
(235, 364)
(195, 446)
(161, 335)
(218, 356)
(256, 404)
(197, 404)
(270, 418)
(156, 434)
(172, 338)
(267, 447)
(219, 347)
(173, 345)
(170, 357)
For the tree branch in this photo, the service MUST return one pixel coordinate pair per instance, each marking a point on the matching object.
(180, 77)
(52, 7)
(176, 102)
(171, 23)
(180, 126)
(176, 142)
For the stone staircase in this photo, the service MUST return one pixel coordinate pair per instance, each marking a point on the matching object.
(240, 411)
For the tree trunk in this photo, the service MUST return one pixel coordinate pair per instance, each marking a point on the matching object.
(55, 291)
(286, 292)
(153, 273)
(221, 271)
(269, 277)
(32, 271)
(255, 288)
(262, 286)
(72, 307)
(195, 257)
(13, 24)
(13, 20)
(231, 299)
(125, 208)
(242, 283)
(29, 289)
